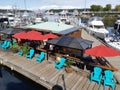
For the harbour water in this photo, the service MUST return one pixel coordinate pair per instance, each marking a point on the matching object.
(11, 80)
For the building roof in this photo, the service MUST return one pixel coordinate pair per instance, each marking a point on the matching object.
(71, 42)
(54, 27)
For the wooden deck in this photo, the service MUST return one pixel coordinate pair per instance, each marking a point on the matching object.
(45, 74)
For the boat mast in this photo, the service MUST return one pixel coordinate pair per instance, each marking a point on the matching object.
(25, 4)
(85, 6)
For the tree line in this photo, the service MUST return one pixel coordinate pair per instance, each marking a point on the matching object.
(108, 7)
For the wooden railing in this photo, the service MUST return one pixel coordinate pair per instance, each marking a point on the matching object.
(100, 62)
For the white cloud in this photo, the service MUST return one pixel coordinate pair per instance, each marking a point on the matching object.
(10, 7)
(54, 7)
(5, 7)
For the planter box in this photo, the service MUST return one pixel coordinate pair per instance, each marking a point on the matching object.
(68, 69)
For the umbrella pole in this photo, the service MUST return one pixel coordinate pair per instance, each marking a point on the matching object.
(47, 55)
(85, 67)
(11, 39)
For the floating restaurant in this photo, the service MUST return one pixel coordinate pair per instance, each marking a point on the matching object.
(45, 52)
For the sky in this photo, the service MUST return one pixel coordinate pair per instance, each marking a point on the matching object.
(54, 4)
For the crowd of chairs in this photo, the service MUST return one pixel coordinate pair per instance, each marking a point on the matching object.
(107, 76)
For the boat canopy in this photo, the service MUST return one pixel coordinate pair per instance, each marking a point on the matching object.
(99, 23)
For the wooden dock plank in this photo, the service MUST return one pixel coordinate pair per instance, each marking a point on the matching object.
(53, 73)
(69, 82)
(107, 88)
(96, 86)
(74, 81)
(87, 84)
(55, 78)
(91, 86)
(117, 87)
(77, 83)
(45, 73)
(82, 84)
(38, 66)
(29, 64)
(50, 73)
(41, 70)
(101, 87)
(60, 79)
(22, 63)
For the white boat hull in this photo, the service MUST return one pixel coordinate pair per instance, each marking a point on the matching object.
(113, 43)
(98, 33)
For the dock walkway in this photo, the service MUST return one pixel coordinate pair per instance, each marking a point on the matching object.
(114, 61)
(45, 74)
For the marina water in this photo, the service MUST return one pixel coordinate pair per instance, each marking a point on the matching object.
(11, 80)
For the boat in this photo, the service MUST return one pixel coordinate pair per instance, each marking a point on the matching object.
(96, 27)
(114, 39)
(11, 18)
(4, 23)
(38, 18)
(64, 20)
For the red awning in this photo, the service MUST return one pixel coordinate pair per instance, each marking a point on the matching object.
(34, 32)
(34, 35)
(102, 51)
(50, 35)
(21, 35)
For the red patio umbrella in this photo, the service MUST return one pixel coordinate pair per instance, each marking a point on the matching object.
(102, 51)
(50, 35)
(21, 35)
(34, 32)
(35, 35)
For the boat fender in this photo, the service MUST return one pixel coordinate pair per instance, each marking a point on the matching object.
(11, 68)
(1, 62)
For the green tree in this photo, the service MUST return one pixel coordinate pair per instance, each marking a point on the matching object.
(108, 7)
(117, 7)
(109, 20)
(96, 8)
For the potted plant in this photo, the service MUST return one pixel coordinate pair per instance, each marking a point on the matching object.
(24, 49)
(14, 49)
(68, 67)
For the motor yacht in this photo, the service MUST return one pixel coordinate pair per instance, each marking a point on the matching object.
(96, 27)
(11, 19)
(114, 39)
(64, 20)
